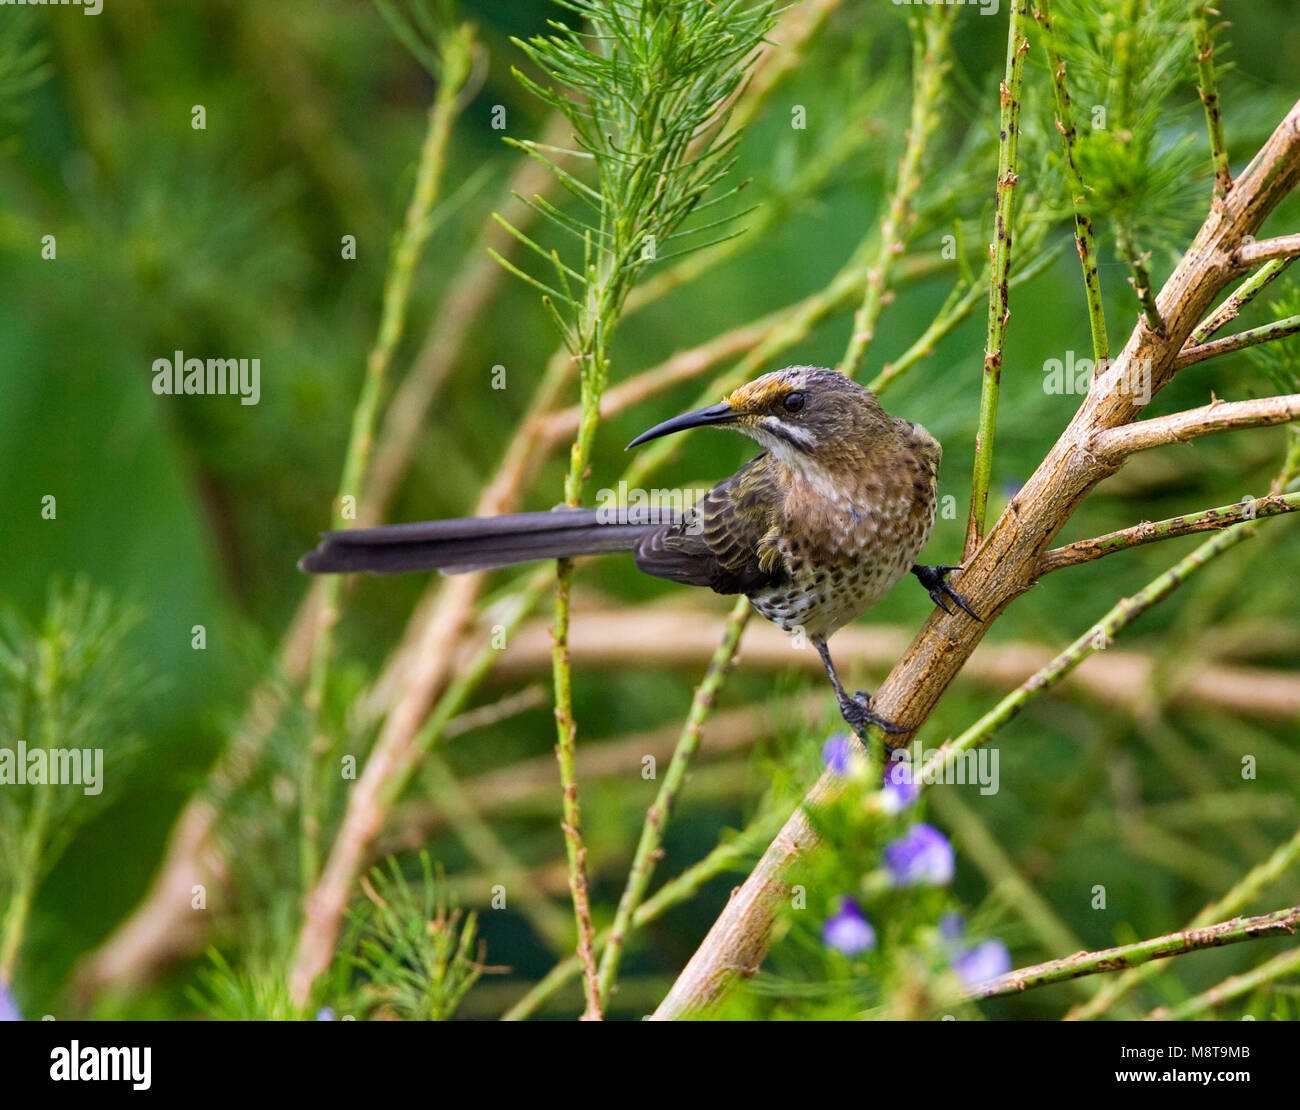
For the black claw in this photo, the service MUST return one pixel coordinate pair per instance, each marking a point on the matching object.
(934, 580)
(857, 711)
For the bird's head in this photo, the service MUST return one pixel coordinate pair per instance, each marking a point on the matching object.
(800, 413)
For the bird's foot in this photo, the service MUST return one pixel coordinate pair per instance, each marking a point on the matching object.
(857, 711)
(934, 579)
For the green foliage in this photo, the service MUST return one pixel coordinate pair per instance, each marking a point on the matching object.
(413, 955)
(226, 241)
(641, 84)
(67, 684)
(225, 993)
(24, 64)
(408, 954)
(1129, 69)
(427, 29)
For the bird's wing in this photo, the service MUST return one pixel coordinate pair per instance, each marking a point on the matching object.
(728, 542)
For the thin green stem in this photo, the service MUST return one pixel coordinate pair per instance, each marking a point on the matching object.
(1280, 966)
(14, 926)
(26, 871)
(1278, 329)
(1083, 235)
(999, 312)
(1232, 306)
(1123, 74)
(456, 63)
(32, 856)
(1208, 89)
(402, 739)
(649, 846)
(1140, 279)
(1282, 860)
(565, 723)
(1278, 923)
(931, 37)
(724, 857)
(1207, 520)
(1125, 123)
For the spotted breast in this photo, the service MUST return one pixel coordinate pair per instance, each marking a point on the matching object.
(844, 539)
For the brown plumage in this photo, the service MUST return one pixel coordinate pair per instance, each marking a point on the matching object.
(814, 530)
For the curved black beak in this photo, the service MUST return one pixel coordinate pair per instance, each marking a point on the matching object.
(721, 413)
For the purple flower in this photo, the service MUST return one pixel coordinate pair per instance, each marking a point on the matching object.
(325, 1013)
(951, 926)
(848, 931)
(922, 856)
(987, 960)
(836, 752)
(898, 791)
(8, 1008)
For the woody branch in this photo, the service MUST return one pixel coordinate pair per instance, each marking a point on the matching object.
(1006, 563)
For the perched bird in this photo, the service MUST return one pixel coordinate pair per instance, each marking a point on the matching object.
(814, 530)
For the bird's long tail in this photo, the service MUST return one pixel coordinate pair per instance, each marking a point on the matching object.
(478, 543)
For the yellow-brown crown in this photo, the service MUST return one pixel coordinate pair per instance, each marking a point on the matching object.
(809, 410)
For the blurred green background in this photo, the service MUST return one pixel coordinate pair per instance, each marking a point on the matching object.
(225, 242)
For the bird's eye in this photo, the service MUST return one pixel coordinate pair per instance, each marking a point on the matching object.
(793, 402)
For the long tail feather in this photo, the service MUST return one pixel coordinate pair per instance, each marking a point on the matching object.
(475, 543)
